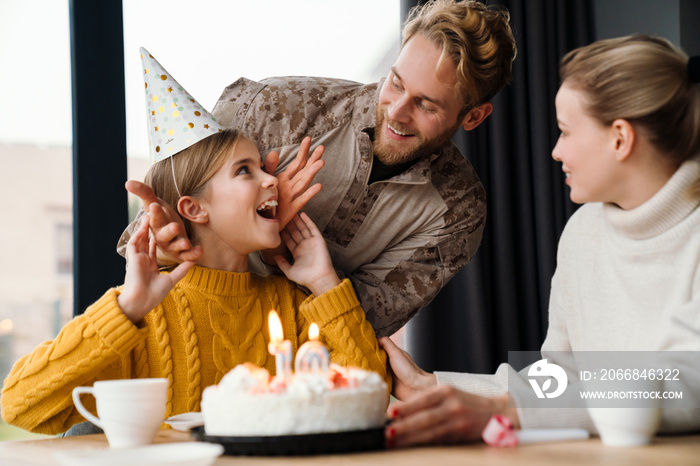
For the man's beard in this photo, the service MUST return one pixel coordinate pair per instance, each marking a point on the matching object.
(388, 154)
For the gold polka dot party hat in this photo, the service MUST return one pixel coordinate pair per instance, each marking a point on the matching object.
(175, 119)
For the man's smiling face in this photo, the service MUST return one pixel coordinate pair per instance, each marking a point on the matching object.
(418, 110)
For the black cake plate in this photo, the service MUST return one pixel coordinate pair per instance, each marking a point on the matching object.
(295, 445)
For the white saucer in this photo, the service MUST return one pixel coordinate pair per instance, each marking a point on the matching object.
(185, 421)
(184, 453)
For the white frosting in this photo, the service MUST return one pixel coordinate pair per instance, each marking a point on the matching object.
(243, 405)
(242, 379)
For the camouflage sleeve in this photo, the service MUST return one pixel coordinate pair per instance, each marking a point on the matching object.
(411, 280)
(278, 112)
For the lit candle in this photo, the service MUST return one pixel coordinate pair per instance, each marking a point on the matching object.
(313, 356)
(280, 348)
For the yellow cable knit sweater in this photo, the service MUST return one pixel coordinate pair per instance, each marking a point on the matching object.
(209, 323)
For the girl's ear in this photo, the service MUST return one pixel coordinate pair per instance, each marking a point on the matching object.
(190, 208)
(624, 135)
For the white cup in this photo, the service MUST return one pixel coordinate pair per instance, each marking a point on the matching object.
(130, 411)
(626, 427)
(629, 426)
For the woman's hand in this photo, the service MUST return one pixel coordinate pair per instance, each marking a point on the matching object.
(168, 230)
(441, 415)
(312, 265)
(409, 379)
(431, 413)
(144, 285)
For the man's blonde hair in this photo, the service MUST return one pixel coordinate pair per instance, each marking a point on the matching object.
(477, 38)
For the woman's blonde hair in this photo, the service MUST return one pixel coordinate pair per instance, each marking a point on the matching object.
(191, 169)
(644, 80)
(477, 38)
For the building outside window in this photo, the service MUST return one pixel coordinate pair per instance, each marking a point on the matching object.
(64, 248)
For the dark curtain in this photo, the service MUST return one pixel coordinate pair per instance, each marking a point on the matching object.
(498, 302)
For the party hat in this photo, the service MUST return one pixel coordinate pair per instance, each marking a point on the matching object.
(175, 120)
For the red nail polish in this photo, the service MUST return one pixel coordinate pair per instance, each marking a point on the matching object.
(391, 432)
(394, 413)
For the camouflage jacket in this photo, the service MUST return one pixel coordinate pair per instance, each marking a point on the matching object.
(399, 240)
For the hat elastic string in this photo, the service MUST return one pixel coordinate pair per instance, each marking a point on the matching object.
(172, 165)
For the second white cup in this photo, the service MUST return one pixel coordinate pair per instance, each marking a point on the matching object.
(630, 426)
(626, 427)
(130, 411)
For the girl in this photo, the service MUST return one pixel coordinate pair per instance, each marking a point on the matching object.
(197, 322)
(628, 265)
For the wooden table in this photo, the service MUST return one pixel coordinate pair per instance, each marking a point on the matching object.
(676, 450)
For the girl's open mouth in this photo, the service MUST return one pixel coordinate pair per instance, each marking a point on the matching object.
(267, 209)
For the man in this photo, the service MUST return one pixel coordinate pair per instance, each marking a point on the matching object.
(401, 209)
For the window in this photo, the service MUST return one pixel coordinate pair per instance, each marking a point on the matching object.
(36, 297)
(223, 40)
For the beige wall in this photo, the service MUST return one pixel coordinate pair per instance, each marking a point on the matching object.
(36, 195)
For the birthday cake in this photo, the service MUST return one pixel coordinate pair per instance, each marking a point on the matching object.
(248, 402)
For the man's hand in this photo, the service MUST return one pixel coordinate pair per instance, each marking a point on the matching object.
(168, 230)
(441, 415)
(409, 379)
(293, 190)
(144, 285)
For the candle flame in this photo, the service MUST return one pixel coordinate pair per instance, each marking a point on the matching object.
(275, 326)
(313, 331)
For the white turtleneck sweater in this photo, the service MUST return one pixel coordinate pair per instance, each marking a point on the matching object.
(625, 281)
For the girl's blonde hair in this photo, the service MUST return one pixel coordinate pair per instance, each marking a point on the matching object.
(644, 80)
(476, 37)
(191, 169)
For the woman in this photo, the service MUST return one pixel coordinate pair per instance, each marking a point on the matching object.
(628, 264)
